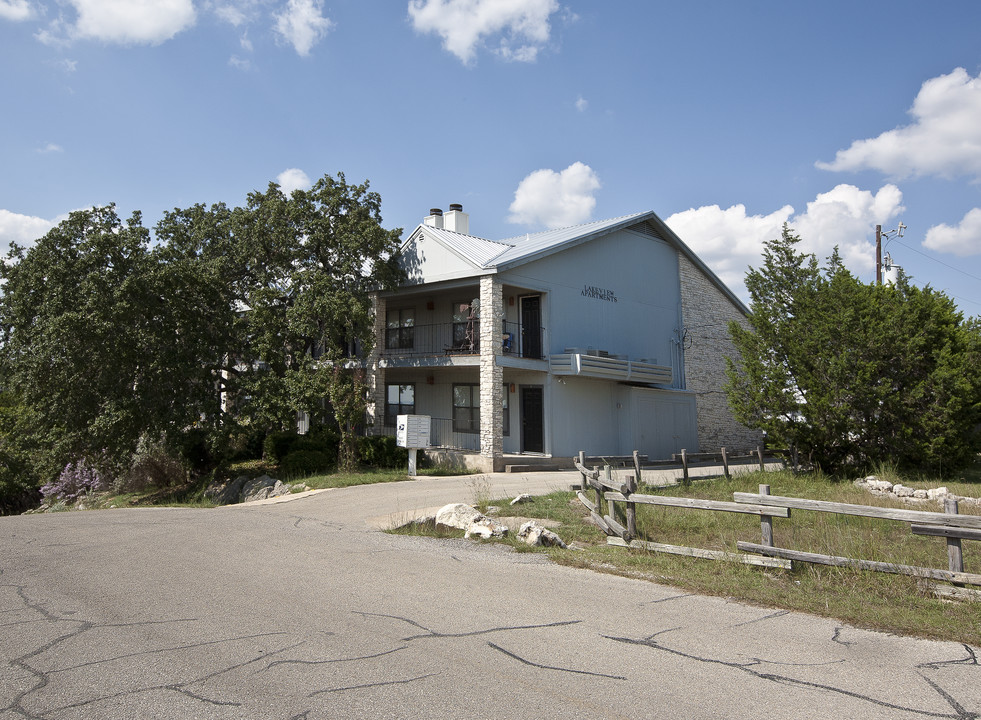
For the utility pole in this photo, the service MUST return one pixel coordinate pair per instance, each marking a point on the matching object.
(878, 254)
(898, 232)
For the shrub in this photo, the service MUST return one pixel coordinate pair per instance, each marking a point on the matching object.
(18, 486)
(245, 443)
(306, 462)
(195, 447)
(382, 451)
(77, 479)
(278, 445)
(151, 466)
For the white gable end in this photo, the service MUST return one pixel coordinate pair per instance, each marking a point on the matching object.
(426, 260)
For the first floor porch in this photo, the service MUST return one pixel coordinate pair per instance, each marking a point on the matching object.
(534, 414)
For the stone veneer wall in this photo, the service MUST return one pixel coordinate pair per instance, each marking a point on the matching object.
(706, 313)
(491, 374)
(376, 374)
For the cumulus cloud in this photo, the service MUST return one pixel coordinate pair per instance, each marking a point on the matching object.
(123, 22)
(464, 25)
(15, 10)
(301, 25)
(555, 199)
(963, 240)
(22, 229)
(582, 104)
(50, 148)
(730, 240)
(944, 138)
(293, 179)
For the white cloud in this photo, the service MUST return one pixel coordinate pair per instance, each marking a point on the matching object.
(555, 199)
(582, 104)
(465, 24)
(963, 240)
(235, 14)
(301, 24)
(240, 63)
(730, 241)
(944, 138)
(23, 229)
(50, 148)
(15, 10)
(293, 179)
(124, 22)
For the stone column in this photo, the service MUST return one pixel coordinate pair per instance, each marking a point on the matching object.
(491, 374)
(375, 374)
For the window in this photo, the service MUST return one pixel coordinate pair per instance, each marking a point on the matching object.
(400, 329)
(399, 400)
(466, 328)
(466, 408)
(506, 405)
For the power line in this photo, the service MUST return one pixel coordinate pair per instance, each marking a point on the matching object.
(946, 265)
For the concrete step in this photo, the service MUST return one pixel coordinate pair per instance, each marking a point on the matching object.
(530, 468)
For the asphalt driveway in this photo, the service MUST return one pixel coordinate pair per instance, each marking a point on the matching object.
(302, 609)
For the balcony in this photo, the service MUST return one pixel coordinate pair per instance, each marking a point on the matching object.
(448, 339)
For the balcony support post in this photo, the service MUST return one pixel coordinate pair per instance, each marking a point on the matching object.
(491, 374)
(375, 371)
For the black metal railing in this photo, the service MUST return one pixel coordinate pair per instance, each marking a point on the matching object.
(462, 338)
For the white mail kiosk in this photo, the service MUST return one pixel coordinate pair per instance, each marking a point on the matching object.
(412, 432)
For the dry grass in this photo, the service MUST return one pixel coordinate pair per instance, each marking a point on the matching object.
(891, 603)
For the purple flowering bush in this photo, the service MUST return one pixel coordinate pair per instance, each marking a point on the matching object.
(77, 479)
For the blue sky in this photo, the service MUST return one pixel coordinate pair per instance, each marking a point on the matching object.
(725, 118)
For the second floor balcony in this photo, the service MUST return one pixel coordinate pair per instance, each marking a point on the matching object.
(461, 338)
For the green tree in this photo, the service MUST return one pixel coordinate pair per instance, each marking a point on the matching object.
(298, 272)
(91, 347)
(853, 374)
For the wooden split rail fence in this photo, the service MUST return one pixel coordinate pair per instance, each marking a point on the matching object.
(619, 522)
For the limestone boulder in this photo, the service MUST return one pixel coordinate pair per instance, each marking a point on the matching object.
(534, 534)
(457, 515)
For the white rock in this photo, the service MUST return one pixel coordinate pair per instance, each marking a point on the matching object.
(902, 491)
(486, 528)
(880, 485)
(522, 498)
(920, 494)
(937, 493)
(457, 515)
(535, 534)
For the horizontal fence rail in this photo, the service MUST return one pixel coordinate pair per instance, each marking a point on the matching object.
(620, 524)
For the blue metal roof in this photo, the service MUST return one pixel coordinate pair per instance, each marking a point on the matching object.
(496, 255)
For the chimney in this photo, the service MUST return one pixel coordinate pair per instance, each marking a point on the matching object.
(435, 218)
(457, 220)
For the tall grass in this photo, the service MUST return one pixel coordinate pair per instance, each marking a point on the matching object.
(892, 603)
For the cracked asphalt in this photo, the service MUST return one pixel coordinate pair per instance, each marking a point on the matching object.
(303, 609)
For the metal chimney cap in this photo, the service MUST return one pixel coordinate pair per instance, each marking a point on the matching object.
(456, 206)
(437, 211)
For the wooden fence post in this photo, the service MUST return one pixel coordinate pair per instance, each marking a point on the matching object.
(616, 512)
(725, 464)
(759, 454)
(631, 507)
(637, 470)
(582, 463)
(766, 522)
(955, 553)
(684, 467)
(599, 493)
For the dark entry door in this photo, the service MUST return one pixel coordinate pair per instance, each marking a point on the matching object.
(531, 326)
(532, 419)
